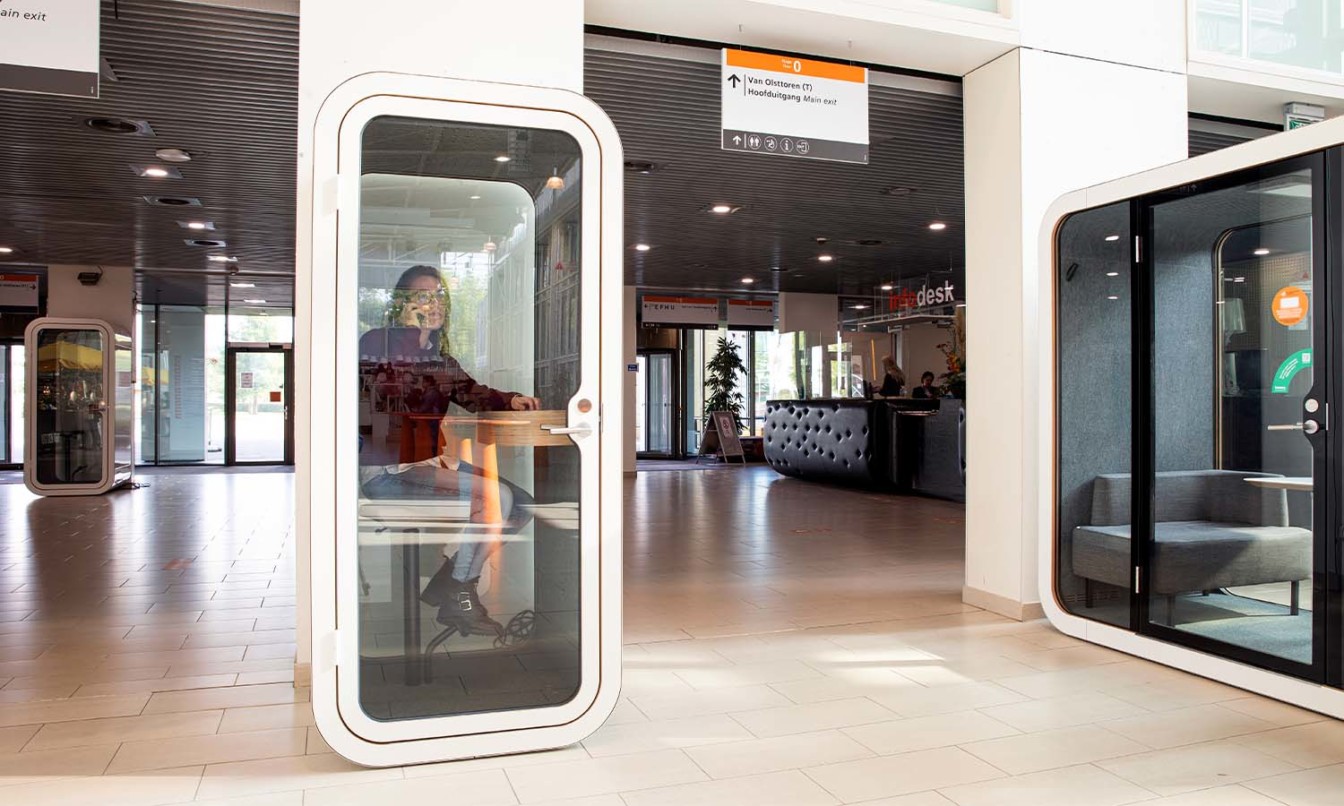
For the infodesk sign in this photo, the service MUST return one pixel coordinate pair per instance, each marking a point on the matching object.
(682, 311)
(791, 107)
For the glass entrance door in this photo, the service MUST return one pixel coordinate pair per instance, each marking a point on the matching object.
(655, 396)
(258, 402)
(1232, 536)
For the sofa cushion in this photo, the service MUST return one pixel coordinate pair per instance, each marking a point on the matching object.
(1193, 495)
(1197, 555)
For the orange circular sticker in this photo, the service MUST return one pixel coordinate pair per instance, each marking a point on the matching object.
(1290, 305)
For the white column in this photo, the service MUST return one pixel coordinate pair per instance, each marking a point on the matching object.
(1038, 124)
(111, 300)
(539, 44)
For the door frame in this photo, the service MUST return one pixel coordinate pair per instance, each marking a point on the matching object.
(231, 401)
(6, 410)
(674, 413)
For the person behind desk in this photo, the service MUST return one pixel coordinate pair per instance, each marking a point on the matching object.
(926, 390)
(420, 311)
(893, 379)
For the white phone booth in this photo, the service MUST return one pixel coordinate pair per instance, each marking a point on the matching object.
(80, 407)
(466, 558)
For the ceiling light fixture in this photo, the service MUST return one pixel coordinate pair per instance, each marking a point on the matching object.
(6, 250)
(721, 209)
(156, 173)
(243, 285)
(1112, 274)
(859, 307)
(556, 182)
(1112, 237)
(748, 280)
(642, 247)
(173, 155)
(197, 225)
(1112, 296)
(825, 258)
(887, 286)
(476, 197)
(490, 245)
(1261, 252)
(222, 259)
(255, 301)
(937, 226)
(502, 158)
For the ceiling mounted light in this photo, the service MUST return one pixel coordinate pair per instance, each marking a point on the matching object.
(825, 258)
(721, 209)
(173, 155)
(748, 280)
(490, 246)
(209, 242)
(1261, 252)
(1112, 237)
(173, 201)
(502, 158)
(255, 301)
(937, 226)
(1112, 274)
(476, 197)
(641, 166)
(859, 307)
(197, 225)
(556, 182)
(119, 125)
(1112, 296)
(222, 259)
(887, 287)
(642, 247)
(896, 190)
(243, 285)
(155, 172)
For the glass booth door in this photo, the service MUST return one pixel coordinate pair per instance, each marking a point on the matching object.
(476, 589)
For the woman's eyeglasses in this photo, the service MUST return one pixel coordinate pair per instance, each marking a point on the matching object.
(427, 297)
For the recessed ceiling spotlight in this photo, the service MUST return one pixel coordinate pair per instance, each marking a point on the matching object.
(155, 172)
(825, 258)
(937, 225)
(173, 201)
(173, 155)
(896, 190)
(1112, 296)
(6, 250)
(118, 125)
(642, 247)
(748, 280)
(502, 158)
(222, 259)
(209, 242)
(641, 166)
(1112, 237)
(859, 307)
(887, 286)
(243, 285)
(1261, 252)
(476, 197)
(868, 242)
(197, 225)
(722, 209)
(489, 246)
(255, 301)
(1112, 274)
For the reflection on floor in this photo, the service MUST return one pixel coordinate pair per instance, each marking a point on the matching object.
(788, 643)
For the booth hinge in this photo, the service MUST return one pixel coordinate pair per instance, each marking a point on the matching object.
(1138, 575)
(1138, 249)
(331, 194)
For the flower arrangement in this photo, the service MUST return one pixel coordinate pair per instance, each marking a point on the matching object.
(954, 350)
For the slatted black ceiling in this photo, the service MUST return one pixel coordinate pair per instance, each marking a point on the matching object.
(222, 84)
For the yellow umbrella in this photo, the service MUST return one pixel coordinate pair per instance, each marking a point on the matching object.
(68, 355)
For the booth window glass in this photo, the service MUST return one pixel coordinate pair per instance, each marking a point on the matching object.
(1095, 414)
(468, 351)
(69, 405)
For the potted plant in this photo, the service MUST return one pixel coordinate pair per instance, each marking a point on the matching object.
(721, 392)
(954, 350)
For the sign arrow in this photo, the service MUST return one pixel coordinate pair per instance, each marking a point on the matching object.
(733, 79)
(737, 139)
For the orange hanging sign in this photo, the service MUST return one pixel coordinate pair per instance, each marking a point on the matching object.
(1290, 305)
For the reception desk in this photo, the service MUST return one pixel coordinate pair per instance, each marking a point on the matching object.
(898, 443)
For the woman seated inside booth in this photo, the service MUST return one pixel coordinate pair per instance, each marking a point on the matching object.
(420, 310)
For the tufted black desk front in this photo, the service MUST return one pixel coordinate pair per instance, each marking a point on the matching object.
(870, 443)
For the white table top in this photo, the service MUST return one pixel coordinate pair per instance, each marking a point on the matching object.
(1299, 483)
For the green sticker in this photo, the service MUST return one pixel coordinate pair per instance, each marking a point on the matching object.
(1291, 365)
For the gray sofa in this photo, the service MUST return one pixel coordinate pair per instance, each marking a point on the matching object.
(1213, 530)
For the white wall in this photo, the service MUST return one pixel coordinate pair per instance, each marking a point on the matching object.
(1144, 33)
(541, 45)
(112, 300)
(1037, 125)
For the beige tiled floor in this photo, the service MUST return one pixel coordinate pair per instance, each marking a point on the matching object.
(786, 644)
